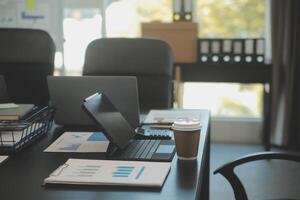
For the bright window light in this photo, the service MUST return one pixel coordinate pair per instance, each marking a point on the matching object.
(225, 99)
(81, 26)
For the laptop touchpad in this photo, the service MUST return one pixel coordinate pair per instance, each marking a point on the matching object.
(165, 149)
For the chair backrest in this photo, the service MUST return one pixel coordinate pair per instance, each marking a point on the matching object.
(227, 170)
(26, 59)
(3, 91)
(150, 60)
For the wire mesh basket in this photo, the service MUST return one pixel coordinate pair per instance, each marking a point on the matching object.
(14, 136)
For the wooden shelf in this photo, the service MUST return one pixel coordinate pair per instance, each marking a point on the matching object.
(240, 73)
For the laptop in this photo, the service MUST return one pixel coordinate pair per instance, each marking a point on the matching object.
(68, 92)
(124, 141)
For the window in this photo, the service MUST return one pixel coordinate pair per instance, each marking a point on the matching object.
(225, 99)
(231, 18)
(228, 19)
(80, 27)
(123, 18)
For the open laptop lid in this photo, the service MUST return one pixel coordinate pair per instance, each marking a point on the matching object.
(68, 92)
(102, 111)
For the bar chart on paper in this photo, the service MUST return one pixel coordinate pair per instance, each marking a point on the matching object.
(104, 172)
(79, 142)
(126, 171)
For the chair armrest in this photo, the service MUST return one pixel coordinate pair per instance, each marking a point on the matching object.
(227, 170)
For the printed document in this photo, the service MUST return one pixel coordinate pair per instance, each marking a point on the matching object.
(108, 172)
(169, 116)
(3, 158)
(79, 142)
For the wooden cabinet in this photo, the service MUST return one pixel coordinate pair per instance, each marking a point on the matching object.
(182, 37)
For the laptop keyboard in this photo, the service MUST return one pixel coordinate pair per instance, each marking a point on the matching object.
(141, 149)
(158, 133)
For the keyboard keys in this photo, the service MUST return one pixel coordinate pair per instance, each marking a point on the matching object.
(144, 154)
(138, 144)
(130, 148)
(153, 149)
(142, 149)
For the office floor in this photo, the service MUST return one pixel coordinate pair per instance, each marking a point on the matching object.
(262, 179)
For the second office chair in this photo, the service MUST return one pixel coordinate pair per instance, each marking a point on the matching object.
(150, 60)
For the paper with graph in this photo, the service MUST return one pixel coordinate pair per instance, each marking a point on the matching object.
(79, 142)
(107, 172)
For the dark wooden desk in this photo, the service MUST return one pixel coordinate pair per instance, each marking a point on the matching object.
(21, 177)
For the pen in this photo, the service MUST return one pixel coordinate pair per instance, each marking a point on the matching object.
(162, 126)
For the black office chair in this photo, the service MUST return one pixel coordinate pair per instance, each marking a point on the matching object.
(150, 60)
(227, 170)
(26, 59)
(3, 91)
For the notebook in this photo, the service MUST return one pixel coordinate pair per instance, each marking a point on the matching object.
(14, 114)
(109, 172)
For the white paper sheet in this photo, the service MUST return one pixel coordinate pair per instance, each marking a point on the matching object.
(11, 138)
(79, 142)
(106, 172)
(169, 116)
(3, 158)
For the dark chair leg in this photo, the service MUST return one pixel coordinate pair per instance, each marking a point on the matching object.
(266, 117)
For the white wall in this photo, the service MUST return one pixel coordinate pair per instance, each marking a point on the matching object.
(12, 16)
(236, 130)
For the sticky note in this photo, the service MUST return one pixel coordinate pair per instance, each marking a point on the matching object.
(30, 4)
(8, 105)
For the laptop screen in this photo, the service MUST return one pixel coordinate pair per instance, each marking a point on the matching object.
(106, 115)
(67, 94)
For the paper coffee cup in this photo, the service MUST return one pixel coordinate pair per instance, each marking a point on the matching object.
(187, 134)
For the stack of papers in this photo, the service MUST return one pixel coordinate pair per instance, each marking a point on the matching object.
(105, 172)
(14, 112)
(8, 105)
(169, 116)
(12, 138)
(79, 142)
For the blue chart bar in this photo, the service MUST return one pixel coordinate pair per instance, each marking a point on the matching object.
(140, 172)
(125, 167)
(122, 171)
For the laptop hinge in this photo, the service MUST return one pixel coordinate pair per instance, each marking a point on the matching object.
(111, 149)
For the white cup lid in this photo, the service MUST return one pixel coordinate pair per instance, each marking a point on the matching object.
(186, 125)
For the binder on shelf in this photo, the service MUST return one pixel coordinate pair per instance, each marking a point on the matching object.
(260, 49)
(204, 47)
(216, 51)
(237, 50)
(227, 46)
(249, 50)
(231, 51)
(182, 10)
